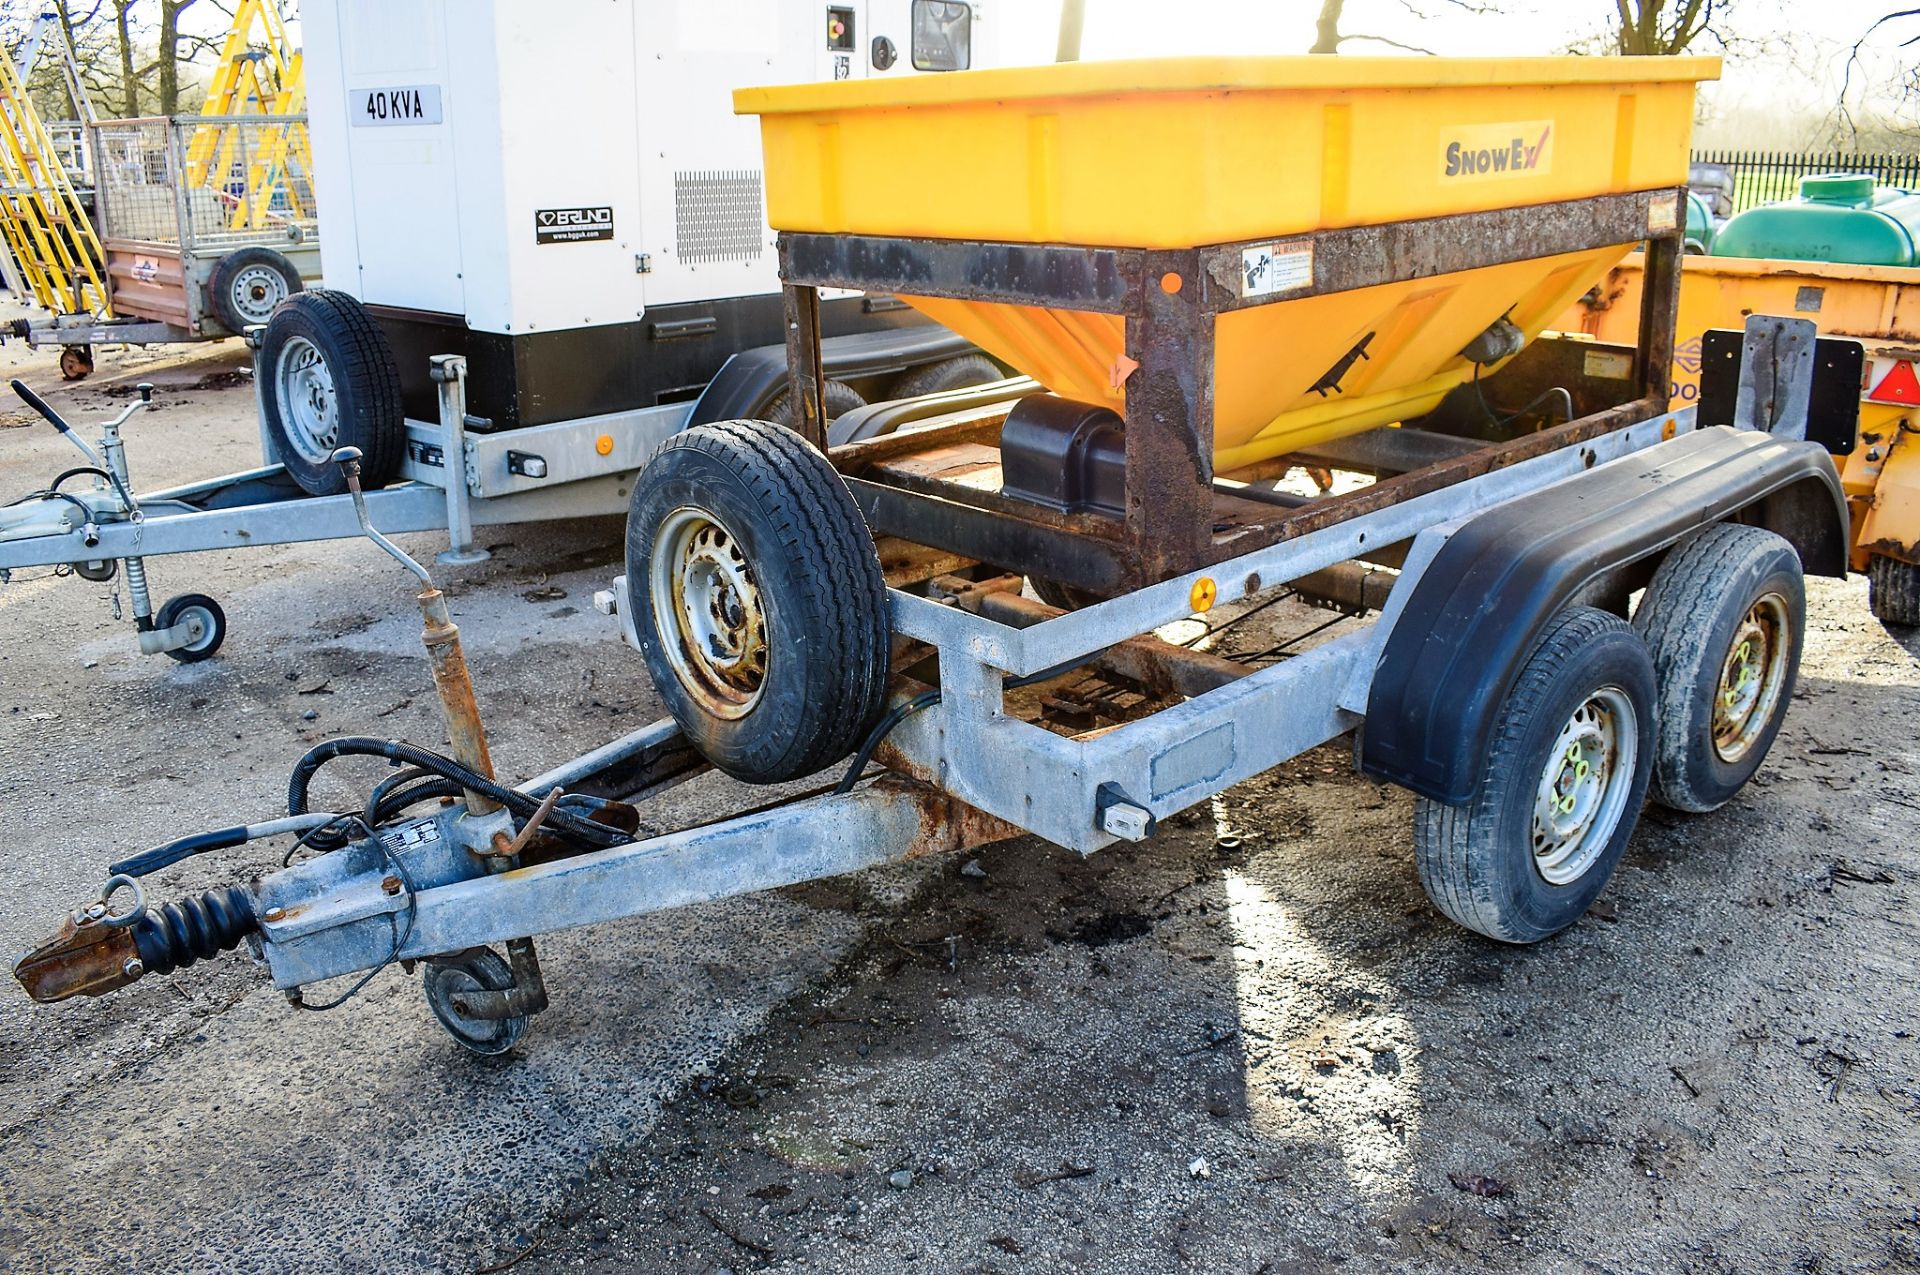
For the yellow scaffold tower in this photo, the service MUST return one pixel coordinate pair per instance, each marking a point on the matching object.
(250, 164)
(55, 252)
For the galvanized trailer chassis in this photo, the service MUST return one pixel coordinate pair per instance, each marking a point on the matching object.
(1621, 485)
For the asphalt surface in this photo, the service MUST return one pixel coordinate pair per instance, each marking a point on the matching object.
(1186, 1055)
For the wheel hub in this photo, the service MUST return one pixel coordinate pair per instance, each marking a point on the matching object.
(1751, 678)
(307, 400)
(1582, 791)
(256, 291)
(709, 612)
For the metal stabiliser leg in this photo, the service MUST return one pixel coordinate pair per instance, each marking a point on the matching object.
(467, 738)
(450, 375)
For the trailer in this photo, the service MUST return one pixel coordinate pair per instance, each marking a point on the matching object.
(520, 310)
(1492, 659)
(207, 223)
(1867, 348)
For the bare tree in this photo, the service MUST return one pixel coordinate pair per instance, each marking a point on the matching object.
(1904, 93)
(1327, 36)
(169, 54)
(1665, 27)
(1637, 26)
(129, 81)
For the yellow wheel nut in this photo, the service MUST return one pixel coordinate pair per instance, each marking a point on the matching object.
(1202, 595)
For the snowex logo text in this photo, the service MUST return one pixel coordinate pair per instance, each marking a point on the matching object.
(1497, 150)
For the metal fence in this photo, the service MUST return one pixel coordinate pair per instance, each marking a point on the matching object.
(204, 182)
(1734, 181)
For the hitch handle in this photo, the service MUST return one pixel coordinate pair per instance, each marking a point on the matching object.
(348, 458)
(441, 636)
(41, 405)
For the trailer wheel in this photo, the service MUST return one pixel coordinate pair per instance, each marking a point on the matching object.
(841, 399)
(1723, 618)
(759, 599)
(1560, 790)
(76, 362)
(1893, 591)
(208, 625)
(327, 379)
(247, 285)
(948, 374)
(481, 969)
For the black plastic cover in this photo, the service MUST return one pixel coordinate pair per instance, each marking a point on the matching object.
(1066, 455)
(1473, 616)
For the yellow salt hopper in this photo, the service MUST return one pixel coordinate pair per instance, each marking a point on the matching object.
(1877, 305)
(1194, 152)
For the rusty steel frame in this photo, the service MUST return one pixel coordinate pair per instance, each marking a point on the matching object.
(1170, 300)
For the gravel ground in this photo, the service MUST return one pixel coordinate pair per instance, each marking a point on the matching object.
(1247, 1045)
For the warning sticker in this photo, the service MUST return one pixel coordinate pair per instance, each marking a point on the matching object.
(410, 836)
(572, 225)
(1611, 365)
(1270, 269)
(1663, 212)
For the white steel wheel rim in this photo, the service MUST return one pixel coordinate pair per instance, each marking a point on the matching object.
(1752, 678)
(309, 407)
(199, 622)
(1584, 786)
(255, 291)
(708, 613)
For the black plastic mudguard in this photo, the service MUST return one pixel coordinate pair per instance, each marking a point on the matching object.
(749, 380)
(1473, 616)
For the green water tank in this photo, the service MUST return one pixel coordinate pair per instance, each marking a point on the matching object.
(1699, 224)
(1839, 217)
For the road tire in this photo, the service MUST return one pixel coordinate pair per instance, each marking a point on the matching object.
(758, 598)
(1724, 619)
(1893, 591)
(327, 380)
(841, 398)
(247, 285)
(200, 609)
(948, 374)
(1503, 865)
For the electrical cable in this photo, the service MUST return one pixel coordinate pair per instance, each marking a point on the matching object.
(400, 934)
(1501, 422)
(563, 821)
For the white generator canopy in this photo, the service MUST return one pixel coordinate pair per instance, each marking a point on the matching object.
(531, 167)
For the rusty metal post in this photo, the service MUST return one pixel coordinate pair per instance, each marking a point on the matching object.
(1169, 419)
(806, 378)
(1660, 311)
(466, 738)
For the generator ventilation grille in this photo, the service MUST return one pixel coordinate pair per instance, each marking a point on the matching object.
(717, 217)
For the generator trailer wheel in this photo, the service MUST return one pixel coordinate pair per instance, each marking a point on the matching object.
(1560, 789)
(1724, 618)
(957, 373)
(248, 284)
(328, 380)
(759, 599)
(841, 398)
(76, 362)
(1893, 591)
